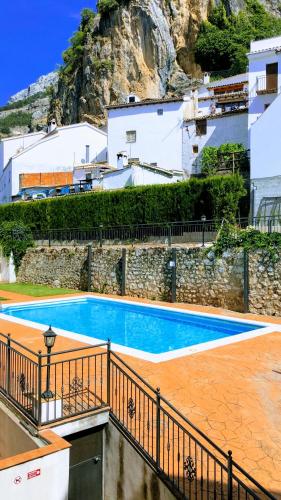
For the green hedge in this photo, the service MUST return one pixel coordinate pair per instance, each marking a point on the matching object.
(217, 196)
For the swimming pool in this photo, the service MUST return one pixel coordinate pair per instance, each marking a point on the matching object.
(147, 331)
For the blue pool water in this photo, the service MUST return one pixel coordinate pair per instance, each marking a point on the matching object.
(149, 329)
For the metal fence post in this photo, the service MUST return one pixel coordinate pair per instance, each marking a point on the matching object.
(100, 235)
(39, 396)
(174, 275)
(246, 281)
(158, 423)
(229, 476)
(49, 238)
(269, 226)
(108, 370)
(89, 267)
(8, 364)
(169, 235)
(124, 271)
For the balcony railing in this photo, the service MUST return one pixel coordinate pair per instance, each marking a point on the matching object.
(93, 377)
(267, 84)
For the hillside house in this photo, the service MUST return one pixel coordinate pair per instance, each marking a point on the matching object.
(171, 133)
(56, 152)
(264, 122)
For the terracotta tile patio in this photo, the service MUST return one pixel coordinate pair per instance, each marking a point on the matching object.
(233, 393)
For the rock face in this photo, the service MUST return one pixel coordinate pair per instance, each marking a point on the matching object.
(40, 85)
(144, 47)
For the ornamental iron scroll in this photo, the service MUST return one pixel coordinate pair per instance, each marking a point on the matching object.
(189, 468)
(131, 408)
(22, 382)
(76, 384)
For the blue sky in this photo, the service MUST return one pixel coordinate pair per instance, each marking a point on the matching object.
(33, 34)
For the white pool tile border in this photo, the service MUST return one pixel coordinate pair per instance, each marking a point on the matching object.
(266, 328)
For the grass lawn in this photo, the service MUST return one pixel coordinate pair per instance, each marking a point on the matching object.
(34, 290)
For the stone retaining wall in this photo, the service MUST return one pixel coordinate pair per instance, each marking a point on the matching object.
(201, 278)
(59, 267)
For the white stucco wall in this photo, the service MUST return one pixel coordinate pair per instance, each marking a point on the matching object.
(52, 483)
(265, 143)
(220, 130)
(158, 138)
(11, 145)
(134, 176)
(257, 68)
(58, 152)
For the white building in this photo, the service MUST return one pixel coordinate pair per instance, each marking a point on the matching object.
(171, 133)
(149, 130)
(136, 175)
(264, 125)
(58, 151)
(213, 130)
(14, 145)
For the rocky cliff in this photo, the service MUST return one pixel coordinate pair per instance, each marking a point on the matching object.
(28, 109)
(144, 47)
(41, 85)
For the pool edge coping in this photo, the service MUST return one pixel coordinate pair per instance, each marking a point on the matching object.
(266, 328)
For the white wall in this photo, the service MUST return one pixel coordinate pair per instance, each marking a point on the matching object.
(257, 68)
(51, 484)
(58, 152)
(265, 143)
(10, 146)
(220, 130)
(159, 138)
(134, 176)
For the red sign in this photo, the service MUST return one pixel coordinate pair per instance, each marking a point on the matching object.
(33, 473)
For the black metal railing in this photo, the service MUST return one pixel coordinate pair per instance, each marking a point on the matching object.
(92, 377)
(267, 223)
(78, 380)
(181, 453)
(165, 233)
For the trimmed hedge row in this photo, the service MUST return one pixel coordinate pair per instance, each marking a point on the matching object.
(215, 197)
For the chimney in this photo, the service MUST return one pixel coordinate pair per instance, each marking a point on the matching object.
(131, 98)
(206, 78)
(52, 125)
(122, 160)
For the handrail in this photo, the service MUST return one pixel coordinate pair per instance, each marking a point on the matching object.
(94, 373)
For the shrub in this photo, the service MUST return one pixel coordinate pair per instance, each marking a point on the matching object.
(214, 197)
(214, 157)
(73, 56)
(25, 102)
(223, 40)
(16, 119)
(15, 237)
(105, 6)
(231, 236)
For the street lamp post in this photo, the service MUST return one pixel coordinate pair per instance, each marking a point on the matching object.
(49, 341)
(203, 220)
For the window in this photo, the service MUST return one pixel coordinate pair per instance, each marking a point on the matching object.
(160, 112)
(201, 127)
(131, 136)
(132, 98)
(87, 154)
(195, 149)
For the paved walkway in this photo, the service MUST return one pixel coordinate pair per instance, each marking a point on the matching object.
(233, 393)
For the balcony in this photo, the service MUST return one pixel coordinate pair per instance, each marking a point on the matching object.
(267, 84)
